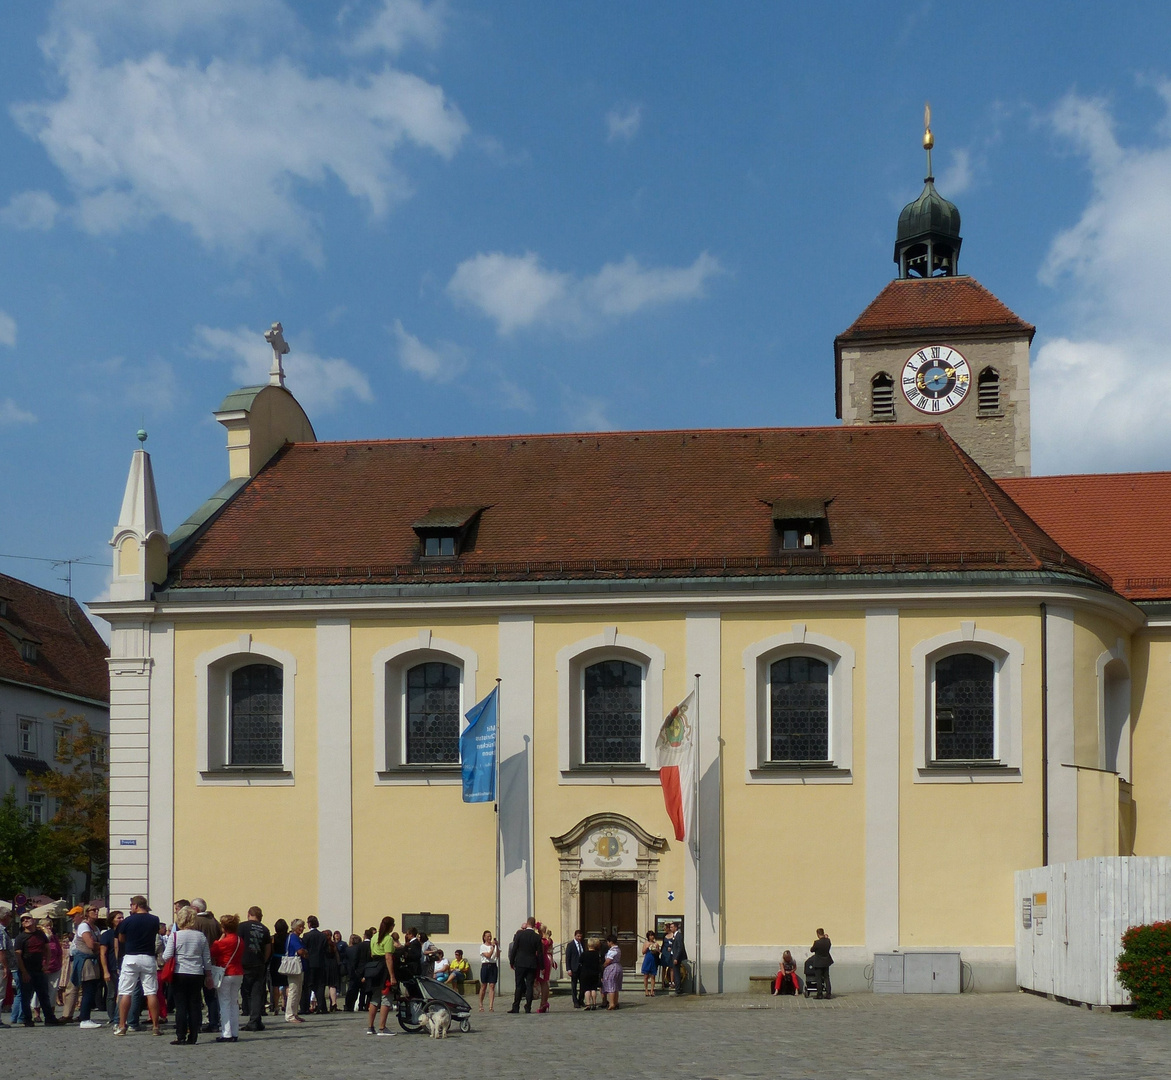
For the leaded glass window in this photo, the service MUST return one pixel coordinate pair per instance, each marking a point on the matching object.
(965, 714)
(433, 714)
(799, 709)
(257, 716)
(613, 712)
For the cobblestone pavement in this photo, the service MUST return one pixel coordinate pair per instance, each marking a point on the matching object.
(730, 1037)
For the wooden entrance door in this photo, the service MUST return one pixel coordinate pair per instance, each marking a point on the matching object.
(611, 907)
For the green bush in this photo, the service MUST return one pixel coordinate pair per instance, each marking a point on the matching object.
(1144, 969)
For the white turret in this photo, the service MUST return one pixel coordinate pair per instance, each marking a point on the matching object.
(139, 543)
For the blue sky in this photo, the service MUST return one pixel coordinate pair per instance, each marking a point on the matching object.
(477, 217)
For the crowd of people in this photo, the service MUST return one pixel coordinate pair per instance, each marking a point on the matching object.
(237, 968)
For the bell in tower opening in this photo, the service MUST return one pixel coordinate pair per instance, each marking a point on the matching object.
(928, 240)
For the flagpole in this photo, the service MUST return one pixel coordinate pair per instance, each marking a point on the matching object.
(496, 808)
(697, 765)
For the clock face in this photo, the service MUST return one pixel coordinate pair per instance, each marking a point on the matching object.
(936, 379)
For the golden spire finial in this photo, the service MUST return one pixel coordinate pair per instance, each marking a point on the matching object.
(928, 138)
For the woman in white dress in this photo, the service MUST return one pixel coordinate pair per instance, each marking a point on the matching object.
(489, 969)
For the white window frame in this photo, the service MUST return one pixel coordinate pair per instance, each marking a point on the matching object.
(213, 683)
(1117, 659)
(35, 805)
(1008, 657)
(572, 660)
(28, 735)
(757, 658)
(389, 668)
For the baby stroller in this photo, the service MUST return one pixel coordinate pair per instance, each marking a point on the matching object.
(814, 978)
(419, 995)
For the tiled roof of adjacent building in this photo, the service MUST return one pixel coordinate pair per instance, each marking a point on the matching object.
(920, 305)
(1122, 521)
(617, 505)
(70, 655)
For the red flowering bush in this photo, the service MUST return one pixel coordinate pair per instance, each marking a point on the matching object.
(1144, 969)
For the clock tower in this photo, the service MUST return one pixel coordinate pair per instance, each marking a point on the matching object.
(935, 346)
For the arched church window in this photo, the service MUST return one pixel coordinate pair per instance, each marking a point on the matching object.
(433, 698)
(256, 720)
(799, 709)
(988, 390)
(612, 712)
(965, 708)
(882, 397)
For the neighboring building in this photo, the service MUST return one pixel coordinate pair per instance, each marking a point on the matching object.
(52, 667)
(909, 688)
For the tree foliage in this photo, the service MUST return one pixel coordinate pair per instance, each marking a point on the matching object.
(81, 787)
(33, 857)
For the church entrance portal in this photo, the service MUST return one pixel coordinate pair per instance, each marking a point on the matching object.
(609, 880)
(611, 907)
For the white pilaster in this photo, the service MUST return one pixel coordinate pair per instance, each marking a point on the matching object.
(703, 658)
(515, 795)
(1059, 701)
(161, 862)
(335, 838)
(882, 779)
(130, 666)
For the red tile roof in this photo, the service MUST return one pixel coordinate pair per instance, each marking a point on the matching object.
(1122, 521)
(71, 656)
(629, 504)
(921, 305)
(918, 309)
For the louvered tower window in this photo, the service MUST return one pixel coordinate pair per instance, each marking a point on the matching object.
(988, 390)
(882, 397)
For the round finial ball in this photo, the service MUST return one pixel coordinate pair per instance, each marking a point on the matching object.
(928, 139)
(142, 435)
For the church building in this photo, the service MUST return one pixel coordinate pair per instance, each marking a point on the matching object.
(917, 668)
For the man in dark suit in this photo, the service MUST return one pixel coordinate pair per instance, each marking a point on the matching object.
(678, 955)
(316, 948)
(573, 955)
(821, 960)
(526, 956)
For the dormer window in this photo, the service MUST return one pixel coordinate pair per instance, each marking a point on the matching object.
(28, 651)
(3, 607)
(443, 544)
(446, 531)
(800, 523)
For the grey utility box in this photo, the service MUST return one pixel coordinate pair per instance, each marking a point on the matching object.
(917, 973)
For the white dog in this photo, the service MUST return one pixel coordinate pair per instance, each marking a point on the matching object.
(437, 1019)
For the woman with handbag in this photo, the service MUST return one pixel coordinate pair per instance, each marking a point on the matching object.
(228, 972)
(293, 968)
(86, 973)
(189, 949)
(278, 983)
(381, 980)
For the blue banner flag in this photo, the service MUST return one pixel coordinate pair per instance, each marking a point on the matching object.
(477, 751)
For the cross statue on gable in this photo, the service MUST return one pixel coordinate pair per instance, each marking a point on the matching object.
(276, 338)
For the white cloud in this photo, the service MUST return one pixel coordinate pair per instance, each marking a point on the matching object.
(151, 384)
(513, 290)
(1099, 389)
(11, 413)
(623, 123)
(30, 210)
(439, 364)
(317, 382)
(586, 413)
(957, 177)
(516, 291)
(221, 146)
(7, 330)
(399, 22)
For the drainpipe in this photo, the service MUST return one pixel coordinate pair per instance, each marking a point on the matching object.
(1044, 735)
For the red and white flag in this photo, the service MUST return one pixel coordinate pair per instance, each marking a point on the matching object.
(675, 751)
